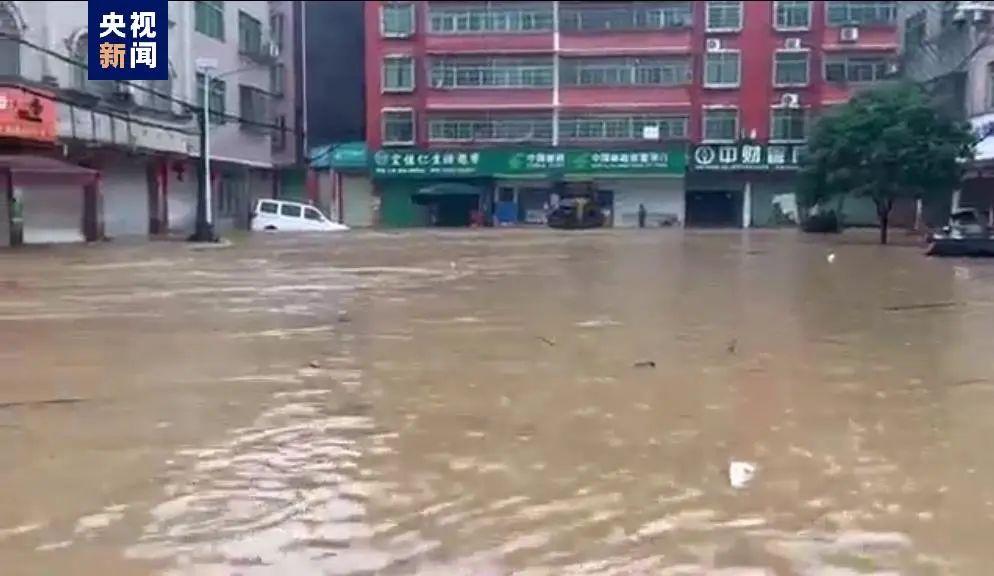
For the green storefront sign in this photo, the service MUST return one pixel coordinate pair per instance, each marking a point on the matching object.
(748, 157)
(526, 163)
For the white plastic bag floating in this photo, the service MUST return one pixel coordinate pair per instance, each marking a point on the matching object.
(740, 474)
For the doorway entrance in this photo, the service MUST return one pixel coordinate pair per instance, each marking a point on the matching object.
(721, 209)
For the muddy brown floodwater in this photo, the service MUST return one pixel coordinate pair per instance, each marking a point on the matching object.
(496, 402)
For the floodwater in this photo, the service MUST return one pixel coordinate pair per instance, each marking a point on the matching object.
(496, 402)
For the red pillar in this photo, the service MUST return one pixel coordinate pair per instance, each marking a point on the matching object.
(311, 185)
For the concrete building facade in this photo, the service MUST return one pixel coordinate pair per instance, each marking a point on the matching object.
(948, 47)
(144, 145)
(696, 111)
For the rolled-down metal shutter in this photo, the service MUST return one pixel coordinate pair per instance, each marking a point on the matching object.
(357, 201)
(52, 213)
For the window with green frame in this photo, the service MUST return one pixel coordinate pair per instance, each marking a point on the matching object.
(249, 34)
(216, 97)
(209, 18)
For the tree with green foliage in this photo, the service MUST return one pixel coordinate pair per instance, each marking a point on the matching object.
(885, 144)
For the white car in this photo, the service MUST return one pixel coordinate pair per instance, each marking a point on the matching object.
(283, 215)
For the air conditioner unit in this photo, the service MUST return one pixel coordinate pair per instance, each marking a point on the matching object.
(792, 44)
(790, 100)
(274, 49)
(713, 44)
(849, 34)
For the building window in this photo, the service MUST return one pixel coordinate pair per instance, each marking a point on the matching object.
(721, 69)
(160, 97)
(397, 19)
(253, 106)
(491, 73)
(209, 18)
(856, 69)
(788, 125)
(625, 17)
(792, 14)
(80, 81)
(277, 79)
(398, 74)
(620, 127)
(948, 16)
(476, 18)
(914, 31)
(249, 34)
(533, 128)
(790, 68)
(398, 127)
(277, 23)
(721, 124)
(842, 13)
(280, 135)
(10, 46)
(625, 71)
(724, 15)
(216, 98)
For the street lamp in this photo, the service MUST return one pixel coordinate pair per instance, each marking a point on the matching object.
(204, 231)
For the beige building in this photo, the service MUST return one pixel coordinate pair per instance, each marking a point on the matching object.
(948, 47)
(144, 145)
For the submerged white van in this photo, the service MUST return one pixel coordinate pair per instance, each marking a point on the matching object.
(286, 216)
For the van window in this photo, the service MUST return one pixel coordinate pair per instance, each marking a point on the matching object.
(312, 214)
(290, 210)
(268, 207)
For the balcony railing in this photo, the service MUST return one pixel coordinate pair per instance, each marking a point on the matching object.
(620, 128)
(623, 17)
(449, 73)
(510, 18)
(532, 129)
(625, 71)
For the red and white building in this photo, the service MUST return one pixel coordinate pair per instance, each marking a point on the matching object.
(733, 84)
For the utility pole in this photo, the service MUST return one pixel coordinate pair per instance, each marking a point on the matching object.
(204, 231)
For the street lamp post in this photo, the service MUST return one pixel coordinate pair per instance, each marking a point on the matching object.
(204, 231)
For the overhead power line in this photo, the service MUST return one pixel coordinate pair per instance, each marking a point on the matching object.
(144, 88)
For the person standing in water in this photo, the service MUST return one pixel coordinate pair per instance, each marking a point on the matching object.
(642, 215)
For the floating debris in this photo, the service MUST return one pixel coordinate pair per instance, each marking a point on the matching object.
(740, 474)
(645, 364)
(48, 402)
(924, 306)
(972, 381)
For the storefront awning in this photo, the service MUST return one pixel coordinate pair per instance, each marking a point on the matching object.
(27, 169)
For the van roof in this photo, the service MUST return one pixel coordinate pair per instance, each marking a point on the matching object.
(277, 201)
